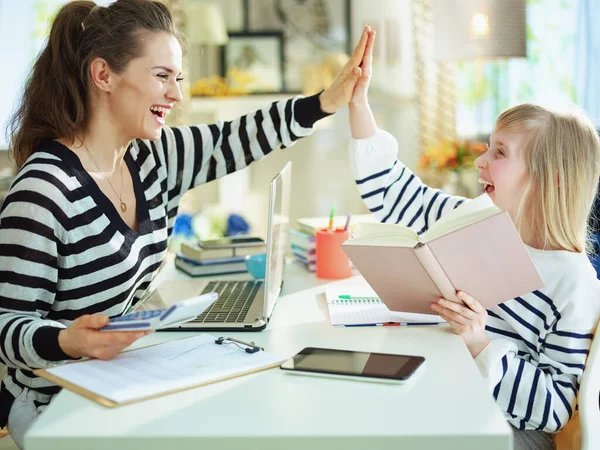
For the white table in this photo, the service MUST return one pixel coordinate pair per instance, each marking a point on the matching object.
(447, 406)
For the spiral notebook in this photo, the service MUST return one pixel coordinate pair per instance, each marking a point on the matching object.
(359, 306)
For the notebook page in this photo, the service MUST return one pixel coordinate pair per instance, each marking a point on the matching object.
(367, 308)
(161, 368)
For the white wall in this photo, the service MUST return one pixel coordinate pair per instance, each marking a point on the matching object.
(321, 174)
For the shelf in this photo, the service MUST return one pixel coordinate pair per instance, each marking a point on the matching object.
(239, 103)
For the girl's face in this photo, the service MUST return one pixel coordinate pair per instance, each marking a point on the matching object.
(148, 88)
(502, 170)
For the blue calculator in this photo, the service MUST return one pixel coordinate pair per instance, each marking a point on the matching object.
(180, 312)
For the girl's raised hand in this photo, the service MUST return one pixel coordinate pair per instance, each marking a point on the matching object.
(466, 320)
(361, 90)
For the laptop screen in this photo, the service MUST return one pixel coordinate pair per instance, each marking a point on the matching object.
(279, 214)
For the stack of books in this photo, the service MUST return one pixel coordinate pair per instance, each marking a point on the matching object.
(303, 241)
(303, 248)
(196, 261)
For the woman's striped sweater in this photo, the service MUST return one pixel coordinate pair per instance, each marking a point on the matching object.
(66, 252)
(540, 341)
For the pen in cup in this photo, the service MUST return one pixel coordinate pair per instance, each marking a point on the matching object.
(347, 223)
(331, 214)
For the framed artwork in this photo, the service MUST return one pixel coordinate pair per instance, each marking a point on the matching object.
(253, 62)
(312, 30)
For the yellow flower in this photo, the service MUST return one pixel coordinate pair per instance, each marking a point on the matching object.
(450, 155)
(215, 86)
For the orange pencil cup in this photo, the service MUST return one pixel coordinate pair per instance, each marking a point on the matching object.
(332, 262)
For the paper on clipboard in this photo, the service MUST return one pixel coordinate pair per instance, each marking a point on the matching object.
(158, 370)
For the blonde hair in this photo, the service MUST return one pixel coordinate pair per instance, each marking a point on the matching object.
(561, 152)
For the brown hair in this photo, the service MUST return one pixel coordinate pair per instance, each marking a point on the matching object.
(562, 156)
(56, 100)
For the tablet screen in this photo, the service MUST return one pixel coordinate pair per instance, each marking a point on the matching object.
(366, 364)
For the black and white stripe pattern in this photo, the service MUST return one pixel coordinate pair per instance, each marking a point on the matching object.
(540, 341)
(65, 251)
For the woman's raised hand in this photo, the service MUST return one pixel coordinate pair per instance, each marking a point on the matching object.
(341, 90)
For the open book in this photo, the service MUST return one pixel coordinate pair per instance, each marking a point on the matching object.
(474, 248)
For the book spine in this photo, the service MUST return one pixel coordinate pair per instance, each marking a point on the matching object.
(210, 262)
(435, 272)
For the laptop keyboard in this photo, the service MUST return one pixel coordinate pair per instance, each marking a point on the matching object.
(233, 304)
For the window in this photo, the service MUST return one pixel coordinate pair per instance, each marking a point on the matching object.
(24, 27)
(547, 75)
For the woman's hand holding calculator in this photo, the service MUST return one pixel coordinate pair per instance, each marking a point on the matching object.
(99, 337)
(82, 338)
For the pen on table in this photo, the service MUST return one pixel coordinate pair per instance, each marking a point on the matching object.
(391, 324)
(347, 222)
(352, 297)
(331, 214)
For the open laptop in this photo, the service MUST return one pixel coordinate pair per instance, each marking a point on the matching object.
(242, 305)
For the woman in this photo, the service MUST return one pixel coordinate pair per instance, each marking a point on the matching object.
(85, 224)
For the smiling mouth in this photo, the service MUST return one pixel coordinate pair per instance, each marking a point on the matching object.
(159, 111)
(488, 187)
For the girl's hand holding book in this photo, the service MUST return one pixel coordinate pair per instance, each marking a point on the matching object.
(467, 320)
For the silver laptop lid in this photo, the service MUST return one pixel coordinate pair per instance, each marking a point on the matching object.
(277, 226)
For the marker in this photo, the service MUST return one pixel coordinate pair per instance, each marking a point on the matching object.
(331, 214)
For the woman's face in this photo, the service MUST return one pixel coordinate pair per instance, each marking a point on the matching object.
(148, 88)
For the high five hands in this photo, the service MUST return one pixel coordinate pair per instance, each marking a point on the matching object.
(352, 82)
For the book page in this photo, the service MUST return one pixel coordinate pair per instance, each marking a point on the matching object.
(161, 368)
(367, 308)
(384, 234)
(469, 212)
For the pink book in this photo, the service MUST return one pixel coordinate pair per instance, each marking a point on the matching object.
(474, 248)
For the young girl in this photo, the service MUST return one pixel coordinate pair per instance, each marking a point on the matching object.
(543, 168)
(85, 224)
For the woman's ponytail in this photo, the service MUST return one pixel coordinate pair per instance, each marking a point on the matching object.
(56, 97)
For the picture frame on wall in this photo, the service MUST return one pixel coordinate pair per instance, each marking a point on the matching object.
(312, 29)
(253, 62)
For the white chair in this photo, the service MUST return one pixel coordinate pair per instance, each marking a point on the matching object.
(589, 396)
(583, 430)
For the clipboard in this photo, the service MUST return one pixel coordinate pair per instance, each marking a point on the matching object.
(256, 358)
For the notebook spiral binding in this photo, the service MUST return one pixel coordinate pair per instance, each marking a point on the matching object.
(358, 301)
